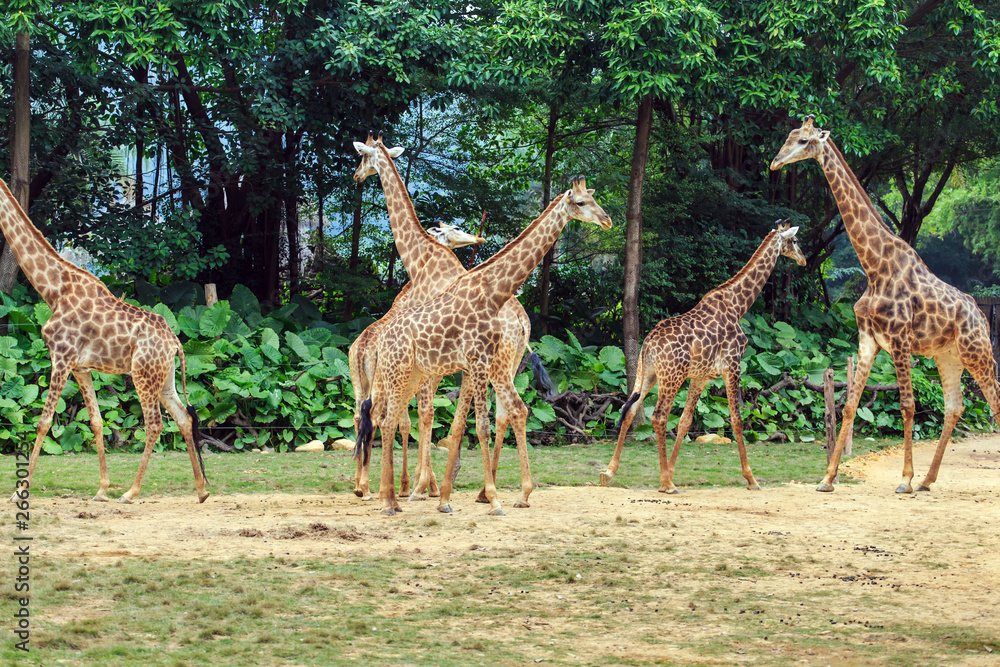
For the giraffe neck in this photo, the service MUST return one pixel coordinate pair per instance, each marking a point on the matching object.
(42, 265)
(744, 288)
(430, 266)
(874, 243)
(507, 270)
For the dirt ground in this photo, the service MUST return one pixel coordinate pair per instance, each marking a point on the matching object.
(940, 550)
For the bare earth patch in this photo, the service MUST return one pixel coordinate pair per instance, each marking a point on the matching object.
(862, 555)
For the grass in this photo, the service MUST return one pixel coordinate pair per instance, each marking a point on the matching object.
(273, 611)
(169, 473)
(549, 598)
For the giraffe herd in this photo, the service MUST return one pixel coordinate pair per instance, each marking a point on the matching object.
(448, 319)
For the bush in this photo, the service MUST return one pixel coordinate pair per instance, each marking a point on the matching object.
(281, 378)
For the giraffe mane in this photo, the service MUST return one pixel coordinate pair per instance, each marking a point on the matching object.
(761, 249)
(30, 228)
(531, 226)
(857, 184)
(407, 202)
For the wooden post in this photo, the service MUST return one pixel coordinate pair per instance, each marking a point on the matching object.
(211, 295)
(850, 383)
(830, 412)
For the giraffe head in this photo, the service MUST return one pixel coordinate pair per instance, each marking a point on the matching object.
(452, 237)
(803, 143)
(579, 203)
(789, 245)
(370, 156)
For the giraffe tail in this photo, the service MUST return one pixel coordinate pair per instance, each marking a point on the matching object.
(625, 408)
(197, 436)
(541, 375)
(180, 352)
(365, 432)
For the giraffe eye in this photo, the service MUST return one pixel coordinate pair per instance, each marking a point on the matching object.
(803, 141)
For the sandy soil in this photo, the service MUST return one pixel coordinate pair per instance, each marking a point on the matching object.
(938, 552)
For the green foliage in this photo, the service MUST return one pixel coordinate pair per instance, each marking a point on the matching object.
(281, 378)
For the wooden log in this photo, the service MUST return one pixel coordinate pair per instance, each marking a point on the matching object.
(211, 295)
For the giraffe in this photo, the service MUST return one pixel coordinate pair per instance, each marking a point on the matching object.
(702, 344)
(905, 310)
(458, 331)
(432, 267)
(91, 330)
(360, 361)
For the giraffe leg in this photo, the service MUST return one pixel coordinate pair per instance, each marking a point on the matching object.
(483, 435)
(405, 425)
(502, 421)
(736, 421)
(867, 349)
(425, 410)
(645, 380)
(659, 420)
(172, 402)
(907, 406)
(517, 415)
(86, 384)
(397, 402)
(60, 373)
(148, 399)
(950, 369)
(454, 443)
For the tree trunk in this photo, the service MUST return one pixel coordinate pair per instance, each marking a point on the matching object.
(292, 228)
(633, 241)
(356, 226)
(19, 145)
(915, 208)
(142, 76)
(292, 214)
(543, 279)
(355, 243)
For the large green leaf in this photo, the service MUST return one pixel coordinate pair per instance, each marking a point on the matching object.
(214, 320)
(168, 315)
(544, 412)
(299, 348)
(243, 302)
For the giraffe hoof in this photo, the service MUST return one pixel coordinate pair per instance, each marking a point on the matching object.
(435, 494)
(605, 478)
(481, 498)
(388, 511)
(923, 487)
(497, 512)
(445, 509)
(753, 487)
(417, 496)
(404, 492)
(825, 487)
(359, 493)
(203, 498)
(904, 488)
(367, 498)
(672, 490)
(100, 498)
(125, 500)
(521, 504)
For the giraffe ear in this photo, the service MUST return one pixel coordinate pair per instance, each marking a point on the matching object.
(823, 135)
(396, 152)
(789, 233)
(363, 149)
(590, 191)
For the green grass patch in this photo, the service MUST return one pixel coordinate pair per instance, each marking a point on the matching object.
(169, 473)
